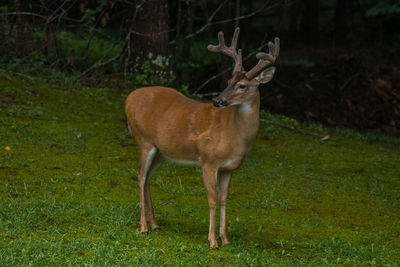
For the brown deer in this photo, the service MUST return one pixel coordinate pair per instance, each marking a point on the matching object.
(168, 125)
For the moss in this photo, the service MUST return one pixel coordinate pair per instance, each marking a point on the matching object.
(69, 193)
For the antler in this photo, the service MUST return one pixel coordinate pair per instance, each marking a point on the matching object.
(229, 51)
(265, 59)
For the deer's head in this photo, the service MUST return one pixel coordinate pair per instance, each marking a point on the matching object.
(243, 85)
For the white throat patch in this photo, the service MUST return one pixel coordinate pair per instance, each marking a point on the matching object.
(244, 107)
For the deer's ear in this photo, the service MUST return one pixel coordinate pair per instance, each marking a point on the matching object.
(266, 75)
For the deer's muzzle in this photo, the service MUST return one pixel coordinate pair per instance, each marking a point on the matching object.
(220, 103)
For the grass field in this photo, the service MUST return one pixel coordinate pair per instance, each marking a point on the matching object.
(68, 193)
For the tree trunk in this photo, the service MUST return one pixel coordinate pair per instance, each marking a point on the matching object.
(226, 62)
(149, 30)
(20, 37)
(237, 9)
(183, 47)
(309, 26)
(341, 21)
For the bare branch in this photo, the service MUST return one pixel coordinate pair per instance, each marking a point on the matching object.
(205, 26)
(25, 13)
(101, 63)
(262, 8)
(236, 19)
(151, 34)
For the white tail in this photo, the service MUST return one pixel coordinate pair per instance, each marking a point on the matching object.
(168, 125)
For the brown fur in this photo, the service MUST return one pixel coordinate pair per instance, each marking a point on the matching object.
(182, 129)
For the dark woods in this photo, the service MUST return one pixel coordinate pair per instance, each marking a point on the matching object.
(339, 59)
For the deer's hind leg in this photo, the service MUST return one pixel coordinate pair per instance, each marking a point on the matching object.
(156, 162)
(147, 155)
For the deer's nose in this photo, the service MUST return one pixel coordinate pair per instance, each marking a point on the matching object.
(219, 103)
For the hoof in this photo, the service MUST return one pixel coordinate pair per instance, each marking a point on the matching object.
(144, 233)
(227, 244)
(156, 229)
(215, 248)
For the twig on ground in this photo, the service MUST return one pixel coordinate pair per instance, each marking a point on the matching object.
(349, 80)
(18, 74)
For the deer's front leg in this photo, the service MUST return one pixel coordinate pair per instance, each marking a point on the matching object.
(224, 179)
(210, 182)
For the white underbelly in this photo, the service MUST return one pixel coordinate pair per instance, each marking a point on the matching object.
(183, 162)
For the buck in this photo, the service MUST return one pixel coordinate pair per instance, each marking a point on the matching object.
(168, 125)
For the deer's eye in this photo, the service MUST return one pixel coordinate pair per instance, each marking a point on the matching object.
(242, 86)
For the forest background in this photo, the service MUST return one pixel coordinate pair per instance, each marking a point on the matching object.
(339, 61)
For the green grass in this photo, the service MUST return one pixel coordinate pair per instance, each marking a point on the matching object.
(68, 193)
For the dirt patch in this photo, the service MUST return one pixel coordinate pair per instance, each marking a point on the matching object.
(7, 100)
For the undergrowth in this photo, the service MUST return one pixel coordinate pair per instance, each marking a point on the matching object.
(306, 194)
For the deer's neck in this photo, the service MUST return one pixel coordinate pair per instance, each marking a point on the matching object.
(246, 118)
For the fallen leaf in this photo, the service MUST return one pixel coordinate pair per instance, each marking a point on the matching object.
(326, 137)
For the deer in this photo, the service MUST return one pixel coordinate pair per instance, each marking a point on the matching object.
(217, 137)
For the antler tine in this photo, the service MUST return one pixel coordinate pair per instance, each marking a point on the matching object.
(235, 38)
(265, 59)
(221, 39)
(229, 51)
